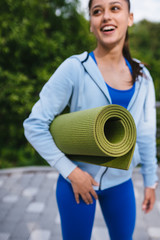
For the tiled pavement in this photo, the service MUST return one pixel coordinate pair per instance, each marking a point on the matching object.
(28, 209)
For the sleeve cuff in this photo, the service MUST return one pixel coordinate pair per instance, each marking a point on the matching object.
(149, 180)
(154, 186)
(64, 166)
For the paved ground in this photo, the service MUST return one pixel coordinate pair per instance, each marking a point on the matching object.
(28, 209)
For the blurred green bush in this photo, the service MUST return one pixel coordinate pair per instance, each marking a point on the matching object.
(35, 37)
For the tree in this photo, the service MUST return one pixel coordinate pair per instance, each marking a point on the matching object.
(144, 41)
(35, 37)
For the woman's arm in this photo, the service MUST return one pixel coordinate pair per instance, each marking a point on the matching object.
(54, 97)
(146, 139)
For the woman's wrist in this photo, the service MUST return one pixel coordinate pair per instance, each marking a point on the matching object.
(73, 174)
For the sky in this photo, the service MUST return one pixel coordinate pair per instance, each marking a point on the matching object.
(142, 9)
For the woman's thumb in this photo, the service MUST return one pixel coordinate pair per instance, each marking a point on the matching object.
(94, 182)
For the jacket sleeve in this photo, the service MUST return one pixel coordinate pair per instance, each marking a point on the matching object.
(146, 136)
(54, 97)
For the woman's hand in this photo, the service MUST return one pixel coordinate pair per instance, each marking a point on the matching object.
(149, 199)
(82, 184)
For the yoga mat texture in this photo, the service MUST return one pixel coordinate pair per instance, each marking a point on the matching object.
(103, 136)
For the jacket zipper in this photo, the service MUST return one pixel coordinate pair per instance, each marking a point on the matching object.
(102, 177)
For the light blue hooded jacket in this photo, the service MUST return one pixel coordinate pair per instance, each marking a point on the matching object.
(79, 84)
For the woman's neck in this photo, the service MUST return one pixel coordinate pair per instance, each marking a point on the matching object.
(113, 68)
(113, 56)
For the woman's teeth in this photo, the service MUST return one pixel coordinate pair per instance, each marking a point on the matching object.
(108, 28)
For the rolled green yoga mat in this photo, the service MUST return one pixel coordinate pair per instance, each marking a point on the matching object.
(103, 136)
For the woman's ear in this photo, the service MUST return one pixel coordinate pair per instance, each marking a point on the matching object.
(130, 20)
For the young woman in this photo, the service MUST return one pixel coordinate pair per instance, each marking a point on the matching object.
(105, 76)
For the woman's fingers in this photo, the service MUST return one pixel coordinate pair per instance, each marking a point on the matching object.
(94, 194)
(77, 197)
(87, 196)
(82, 184)
(94, 183)
(149, 200)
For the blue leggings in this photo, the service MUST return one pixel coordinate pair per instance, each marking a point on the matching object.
(117, 205)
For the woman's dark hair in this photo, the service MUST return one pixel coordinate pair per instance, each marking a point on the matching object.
(136, 68)
(128, 1)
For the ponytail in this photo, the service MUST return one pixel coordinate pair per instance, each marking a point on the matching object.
(136, 68)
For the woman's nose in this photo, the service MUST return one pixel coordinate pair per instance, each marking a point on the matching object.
(106, 15)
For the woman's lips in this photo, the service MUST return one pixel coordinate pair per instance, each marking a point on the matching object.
(108, 28)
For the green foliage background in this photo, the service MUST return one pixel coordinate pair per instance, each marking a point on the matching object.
(35, 37)
(144, 42)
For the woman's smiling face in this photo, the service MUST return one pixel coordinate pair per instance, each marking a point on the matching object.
(109, 20)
